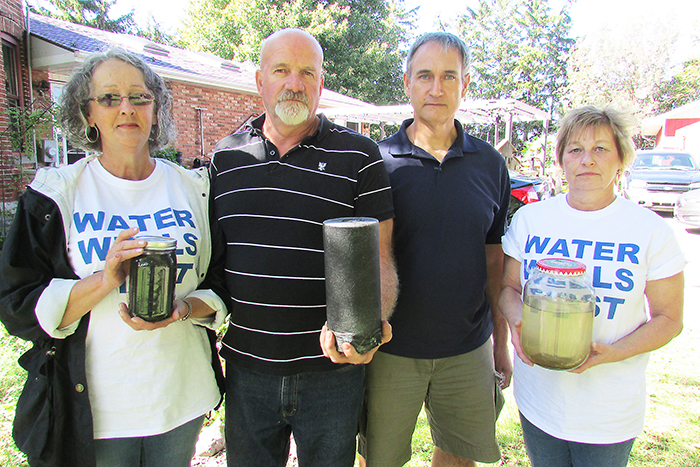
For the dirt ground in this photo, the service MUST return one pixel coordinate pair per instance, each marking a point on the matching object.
(219, 459)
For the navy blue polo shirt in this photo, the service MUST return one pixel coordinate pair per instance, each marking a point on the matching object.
(445, 214)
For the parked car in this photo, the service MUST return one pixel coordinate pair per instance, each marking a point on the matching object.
(658, 177)
(525, 190)
(687, 209)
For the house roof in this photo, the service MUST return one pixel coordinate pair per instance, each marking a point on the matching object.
(59, 46)
(652, 125)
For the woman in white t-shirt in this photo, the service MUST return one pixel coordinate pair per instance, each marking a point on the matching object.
(590, 416)
(105, 388)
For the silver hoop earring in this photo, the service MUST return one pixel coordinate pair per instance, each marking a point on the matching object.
(97, 134)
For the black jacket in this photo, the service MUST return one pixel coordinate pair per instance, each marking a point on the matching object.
(53, 421)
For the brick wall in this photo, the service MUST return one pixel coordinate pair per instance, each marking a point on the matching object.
(12, 17)
(11, 29)
(222, 112)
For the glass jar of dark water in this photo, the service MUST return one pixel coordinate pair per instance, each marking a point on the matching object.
(558, 311)
(152, 279)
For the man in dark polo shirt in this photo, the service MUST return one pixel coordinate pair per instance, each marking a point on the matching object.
(273, 185)
(451, 194)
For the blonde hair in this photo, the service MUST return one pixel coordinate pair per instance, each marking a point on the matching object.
(620, 123)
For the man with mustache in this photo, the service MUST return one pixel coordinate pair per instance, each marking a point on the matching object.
(273, 185)
(451, 194)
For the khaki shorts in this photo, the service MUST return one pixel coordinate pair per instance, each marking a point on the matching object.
(462, 399)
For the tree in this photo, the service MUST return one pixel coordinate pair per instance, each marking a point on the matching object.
(362, 40)
(94, 13)
(519, 50)
(681, 89)
(623, 64)
(154, 32)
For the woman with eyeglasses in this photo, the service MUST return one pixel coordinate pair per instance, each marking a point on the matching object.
(105, 388)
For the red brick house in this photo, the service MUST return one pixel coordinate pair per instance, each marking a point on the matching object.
(212, 97)
(14, 94)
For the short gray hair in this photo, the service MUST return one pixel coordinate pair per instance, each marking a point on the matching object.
(447, 41)
(621, 125)
(74, 104)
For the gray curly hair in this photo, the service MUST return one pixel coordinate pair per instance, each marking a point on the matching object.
(74, 104)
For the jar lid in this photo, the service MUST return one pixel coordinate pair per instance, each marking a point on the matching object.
(156, 243)
(562, 266)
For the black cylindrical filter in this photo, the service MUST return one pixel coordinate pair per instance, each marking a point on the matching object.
(353, 286)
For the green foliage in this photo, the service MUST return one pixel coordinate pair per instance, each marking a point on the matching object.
(25, 122)
(170, 154)
(375, 131)
(682, 89)
(622, 63)
(11, 382)
(362, 41)
(94, 13)
(532, 153)
(154, 32)
(519, 50)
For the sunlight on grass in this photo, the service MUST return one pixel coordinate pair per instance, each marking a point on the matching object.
(11, 381)
(672, 432)
(671, 437)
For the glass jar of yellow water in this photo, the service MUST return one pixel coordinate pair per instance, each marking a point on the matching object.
(558, 309)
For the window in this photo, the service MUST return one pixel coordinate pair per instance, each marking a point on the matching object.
(12, 83)
(13, 93)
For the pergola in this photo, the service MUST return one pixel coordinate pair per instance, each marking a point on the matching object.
(495, 112)
(470, 111)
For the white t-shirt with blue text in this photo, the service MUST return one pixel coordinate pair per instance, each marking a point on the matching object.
(623, 247)
(140, 382)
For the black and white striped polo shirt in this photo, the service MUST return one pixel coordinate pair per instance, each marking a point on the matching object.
(271, 210)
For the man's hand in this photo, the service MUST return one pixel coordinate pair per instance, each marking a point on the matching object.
(349, 354)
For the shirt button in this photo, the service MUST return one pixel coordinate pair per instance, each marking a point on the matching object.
(79, 387)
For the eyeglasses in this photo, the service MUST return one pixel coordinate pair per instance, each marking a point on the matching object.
(114, 100)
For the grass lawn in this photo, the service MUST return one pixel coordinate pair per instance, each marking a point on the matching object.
(11, 381)
(671, 437)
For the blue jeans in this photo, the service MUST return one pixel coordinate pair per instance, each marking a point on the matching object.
(174, 448)
(547, 451)
(321, 410)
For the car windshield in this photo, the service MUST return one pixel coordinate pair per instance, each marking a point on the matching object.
(664, 161)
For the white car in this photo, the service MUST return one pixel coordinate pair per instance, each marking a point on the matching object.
(687, 208)
(658, 177)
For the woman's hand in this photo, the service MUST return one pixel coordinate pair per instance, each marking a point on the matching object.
(510, 304)
(180, 310)
(665, 299)
(89, 291)
(600, 353)
(119, 255)
(515, 332)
